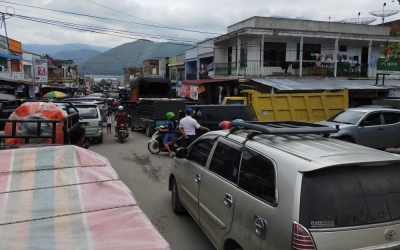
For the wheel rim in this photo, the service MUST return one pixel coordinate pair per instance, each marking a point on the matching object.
(153, 147)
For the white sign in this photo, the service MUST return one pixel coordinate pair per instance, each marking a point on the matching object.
(41, 70)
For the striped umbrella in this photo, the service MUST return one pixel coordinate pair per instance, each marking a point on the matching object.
(55, 94)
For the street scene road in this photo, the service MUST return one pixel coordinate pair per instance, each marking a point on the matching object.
(146, 175)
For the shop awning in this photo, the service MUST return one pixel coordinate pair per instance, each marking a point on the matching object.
(8, 56)
(199, 82)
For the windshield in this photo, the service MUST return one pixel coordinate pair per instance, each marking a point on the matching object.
(88, 112)
(347, 117)
(350, 196)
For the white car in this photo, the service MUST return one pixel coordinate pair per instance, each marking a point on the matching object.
(91, 119)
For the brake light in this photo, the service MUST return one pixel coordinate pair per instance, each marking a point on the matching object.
(122, 125)
(302, 239)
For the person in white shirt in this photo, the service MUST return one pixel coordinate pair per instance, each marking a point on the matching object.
(188, 126)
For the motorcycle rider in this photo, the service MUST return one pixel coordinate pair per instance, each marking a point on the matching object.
(169, 132)
(121, 117)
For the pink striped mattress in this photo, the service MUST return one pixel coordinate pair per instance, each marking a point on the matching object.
(67, 197)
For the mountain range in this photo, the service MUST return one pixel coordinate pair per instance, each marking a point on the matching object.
(99, 60)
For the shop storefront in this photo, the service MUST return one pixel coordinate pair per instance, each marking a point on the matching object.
(18, 88)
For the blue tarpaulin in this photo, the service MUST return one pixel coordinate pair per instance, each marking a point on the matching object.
(8, 56)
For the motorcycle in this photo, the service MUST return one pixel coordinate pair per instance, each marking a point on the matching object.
(156, 143)
(122, 132)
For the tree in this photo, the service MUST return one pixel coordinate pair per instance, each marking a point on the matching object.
(391, 51)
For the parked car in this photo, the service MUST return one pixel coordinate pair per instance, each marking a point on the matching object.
(281, 185)
(90, 118)
(373, 126)
(79, 94)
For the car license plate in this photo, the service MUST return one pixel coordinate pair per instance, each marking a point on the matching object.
(84, 124)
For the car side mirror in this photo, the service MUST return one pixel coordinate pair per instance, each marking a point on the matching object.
(181, 153)
(365, 123)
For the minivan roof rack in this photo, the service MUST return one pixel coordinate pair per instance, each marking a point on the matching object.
(283, 128)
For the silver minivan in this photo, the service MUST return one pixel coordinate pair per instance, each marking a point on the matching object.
(93, 99)
(287, 185)
(90, 118)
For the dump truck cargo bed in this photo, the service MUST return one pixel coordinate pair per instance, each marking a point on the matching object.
(310, 107)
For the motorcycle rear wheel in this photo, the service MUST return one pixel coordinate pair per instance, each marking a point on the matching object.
(153, 147)
(121, 139)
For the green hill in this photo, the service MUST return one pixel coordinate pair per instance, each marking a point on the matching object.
(113, 61)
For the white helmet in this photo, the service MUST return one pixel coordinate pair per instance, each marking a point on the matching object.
(120, 108)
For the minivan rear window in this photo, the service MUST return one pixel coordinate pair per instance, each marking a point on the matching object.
(350, 196)
(88, 112)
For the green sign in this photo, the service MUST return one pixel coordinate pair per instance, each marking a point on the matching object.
(391, 67)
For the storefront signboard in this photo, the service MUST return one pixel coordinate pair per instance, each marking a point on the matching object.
(391, 67)
(41, 70)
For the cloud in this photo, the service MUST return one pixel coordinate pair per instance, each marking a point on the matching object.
(176, 21)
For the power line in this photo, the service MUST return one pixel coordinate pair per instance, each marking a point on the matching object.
(101, 30)
(116, 20)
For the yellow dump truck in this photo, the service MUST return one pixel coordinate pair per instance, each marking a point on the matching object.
(312, 107)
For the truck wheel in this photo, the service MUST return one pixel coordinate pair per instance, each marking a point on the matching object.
(132, 127)
(149, 131)
(176, 203)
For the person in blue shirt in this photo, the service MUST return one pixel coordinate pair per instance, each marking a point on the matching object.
(169, 132)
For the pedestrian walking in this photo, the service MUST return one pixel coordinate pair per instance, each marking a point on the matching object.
(109, 122)
(187, 126)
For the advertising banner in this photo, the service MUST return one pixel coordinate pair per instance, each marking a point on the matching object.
(189, 91)
(41, 70)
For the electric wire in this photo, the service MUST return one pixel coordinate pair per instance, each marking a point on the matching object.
(111, 19)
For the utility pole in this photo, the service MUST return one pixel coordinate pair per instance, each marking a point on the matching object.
(33, 79)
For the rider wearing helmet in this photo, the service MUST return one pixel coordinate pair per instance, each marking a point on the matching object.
(121, 117)
(170, 130)
(187, 126)
(225, 125)
(238, 120)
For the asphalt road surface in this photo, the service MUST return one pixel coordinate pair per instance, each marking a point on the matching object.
(146, 175)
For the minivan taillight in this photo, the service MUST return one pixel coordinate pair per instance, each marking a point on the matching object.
(301, 238)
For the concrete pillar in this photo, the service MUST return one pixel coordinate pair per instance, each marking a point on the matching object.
(369, 58)
(301, 56)
(238, 46)
(335, 56)
(262, 52)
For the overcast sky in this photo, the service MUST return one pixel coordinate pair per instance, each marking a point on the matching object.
(114, 22)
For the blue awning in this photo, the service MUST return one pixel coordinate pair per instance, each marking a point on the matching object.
(8, 56)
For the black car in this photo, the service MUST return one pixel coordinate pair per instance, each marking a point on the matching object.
(210, 116)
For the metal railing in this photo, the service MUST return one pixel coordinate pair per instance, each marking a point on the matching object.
(257, 68)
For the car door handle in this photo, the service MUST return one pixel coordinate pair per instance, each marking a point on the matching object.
(260, 227)
(228, 201)
(380, 129)
(197, 179)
